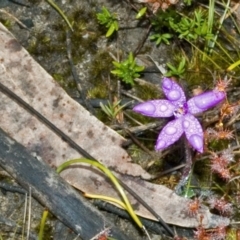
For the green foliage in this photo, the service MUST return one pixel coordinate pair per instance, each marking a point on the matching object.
(109, 20)
(177, 71)
(160, 21)
(161, 38)
(187, 2)
(192, 28)
(161, 27)
(127, 70)
(141, 12)
(112, 109)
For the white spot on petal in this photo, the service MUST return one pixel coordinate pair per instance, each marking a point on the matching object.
(170, 130)
(186, 124)
(174, 95)
(163, 108)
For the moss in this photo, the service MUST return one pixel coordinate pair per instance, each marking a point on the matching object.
(51, 45)
(169, 181)
(99, 91)
(147, 92)
(100, 68)
(101, 65)
(146, 49)
(7, 23)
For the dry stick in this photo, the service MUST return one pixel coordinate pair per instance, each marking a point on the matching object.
(19, 3)
(74, 145)
(14, 18)
(134, 139)
(168, 171)
(77, 80)
(140, 45)
(25, 214)
(29, 212)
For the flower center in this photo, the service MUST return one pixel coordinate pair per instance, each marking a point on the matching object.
(180, 110)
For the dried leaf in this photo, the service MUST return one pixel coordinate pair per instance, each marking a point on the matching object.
(20, 73)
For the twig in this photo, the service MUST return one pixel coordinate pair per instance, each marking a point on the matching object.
(77, 80)
(140, 45)
(24, 214)
(14, 18)
(168, 171)
(29, 212)
(138, 143)
(131, 96)
(10, 188)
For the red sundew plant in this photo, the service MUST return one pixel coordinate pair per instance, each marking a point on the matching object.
(220, 162)
(222, 84)
(221, 205)
(212, 134)
(201, 233)
(194, 206)
(219, 233)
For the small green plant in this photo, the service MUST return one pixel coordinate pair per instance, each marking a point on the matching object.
(127, 70)
(141, 12)
(187, 2)
(161, 38)
(162, 31)
(193, 28)
(177, 71)
(109, 20)
(112, 109)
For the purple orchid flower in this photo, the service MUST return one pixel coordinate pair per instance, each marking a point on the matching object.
(183, 111)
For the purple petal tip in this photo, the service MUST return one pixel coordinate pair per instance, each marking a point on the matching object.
(197, 142)
(160, 145)
(146, 108)
(167, 83)
(209, 99)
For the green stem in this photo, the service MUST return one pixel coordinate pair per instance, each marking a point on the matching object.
(55, 6)
(204, 54)
(112, 178)
(232, 66)
(106, 198)
(42, 225)
(211, 46)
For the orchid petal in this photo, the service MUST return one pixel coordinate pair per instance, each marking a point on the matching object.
(169, 134)
(173, 91)
(193, 131)
(205, 101)
(155, 108)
